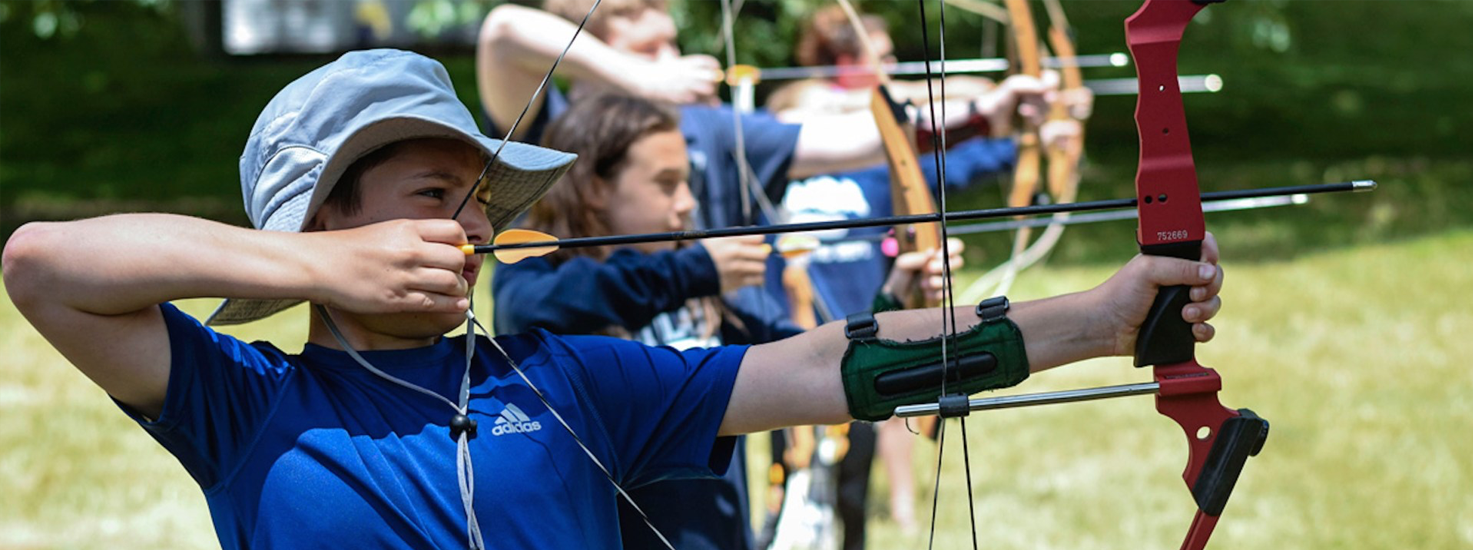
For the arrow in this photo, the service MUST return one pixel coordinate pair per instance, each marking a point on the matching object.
(514, 245)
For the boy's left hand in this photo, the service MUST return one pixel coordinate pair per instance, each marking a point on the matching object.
(1123, 302)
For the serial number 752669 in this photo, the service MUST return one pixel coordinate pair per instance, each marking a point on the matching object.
(1172, 236)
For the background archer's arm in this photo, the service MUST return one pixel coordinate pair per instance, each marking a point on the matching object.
(517, 44)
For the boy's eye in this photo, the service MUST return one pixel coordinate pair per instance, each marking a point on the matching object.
(433, 192)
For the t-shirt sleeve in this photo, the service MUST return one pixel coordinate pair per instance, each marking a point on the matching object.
(662, 408)
(710, 133)
(583, 295)
(220, 392)
(771, 145)
(971, 162)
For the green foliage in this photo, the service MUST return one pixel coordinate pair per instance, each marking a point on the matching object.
(124, 113)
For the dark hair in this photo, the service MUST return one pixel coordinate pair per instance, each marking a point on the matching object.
(346, 196)
(600, 130)
(829, 35)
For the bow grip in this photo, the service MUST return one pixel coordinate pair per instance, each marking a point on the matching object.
(1166, 338)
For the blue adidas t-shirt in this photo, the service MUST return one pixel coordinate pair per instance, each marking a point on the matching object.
(313, 450)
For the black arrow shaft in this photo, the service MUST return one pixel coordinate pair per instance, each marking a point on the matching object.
(982, 214)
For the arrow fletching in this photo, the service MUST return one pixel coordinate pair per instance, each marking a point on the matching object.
(518, 236)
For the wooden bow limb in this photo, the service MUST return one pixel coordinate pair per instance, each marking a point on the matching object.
(1063, 168)
(909, 191)
(1027, 171)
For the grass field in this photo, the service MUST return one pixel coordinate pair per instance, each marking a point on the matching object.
(1356, 356)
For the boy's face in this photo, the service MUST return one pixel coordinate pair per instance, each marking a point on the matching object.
(649, 33)
(651, 193)
(424, 179)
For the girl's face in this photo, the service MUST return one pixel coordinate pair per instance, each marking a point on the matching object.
(651, 194)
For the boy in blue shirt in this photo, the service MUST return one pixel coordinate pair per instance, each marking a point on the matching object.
(384, 433)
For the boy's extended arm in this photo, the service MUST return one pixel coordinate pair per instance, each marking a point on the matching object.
(91, 287)
(797, 381)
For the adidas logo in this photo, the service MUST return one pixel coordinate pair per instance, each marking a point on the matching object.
(514, 421)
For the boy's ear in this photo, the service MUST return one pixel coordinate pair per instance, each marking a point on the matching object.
(315, 223)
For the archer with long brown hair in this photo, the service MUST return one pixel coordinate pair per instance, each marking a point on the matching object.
(632, 177)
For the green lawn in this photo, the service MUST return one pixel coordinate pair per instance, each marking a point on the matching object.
(1355, 355)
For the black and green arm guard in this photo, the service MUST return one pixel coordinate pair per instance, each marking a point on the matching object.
(880, 375)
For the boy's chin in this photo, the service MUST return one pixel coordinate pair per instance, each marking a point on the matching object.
(417, 325)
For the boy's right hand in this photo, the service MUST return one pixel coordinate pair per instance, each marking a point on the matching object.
(740, 261)
(394, 266)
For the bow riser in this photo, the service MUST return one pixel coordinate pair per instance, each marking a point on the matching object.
(1219, 439)
(908, 188)
(1166, 183)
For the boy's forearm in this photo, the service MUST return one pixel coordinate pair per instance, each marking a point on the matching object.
(797, 381)
(121, 264)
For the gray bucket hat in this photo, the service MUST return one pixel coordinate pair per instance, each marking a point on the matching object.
(317, 126)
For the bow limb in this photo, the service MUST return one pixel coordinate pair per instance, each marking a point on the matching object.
(1064, 155)
(1025, 40)
(909, 191)
(1063, 159)
(1219, 439)
(1027, 171)
(980, 7)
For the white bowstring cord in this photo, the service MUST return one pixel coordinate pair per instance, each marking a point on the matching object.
(569, 428)
(464, 470)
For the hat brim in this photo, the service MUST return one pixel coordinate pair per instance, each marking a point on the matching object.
(520, 175)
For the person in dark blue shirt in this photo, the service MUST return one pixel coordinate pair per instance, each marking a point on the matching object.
(630, 47)
(633, 178)
(383, 432)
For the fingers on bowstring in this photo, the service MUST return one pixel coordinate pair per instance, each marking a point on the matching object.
(417, 301)
(441, 231)
(439, 281)
(450, 259)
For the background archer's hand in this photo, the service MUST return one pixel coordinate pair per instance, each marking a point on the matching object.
(740, 261)
(394, 266)
(1125, 299)
(1017, 94)
(680, 80)
(923, 274)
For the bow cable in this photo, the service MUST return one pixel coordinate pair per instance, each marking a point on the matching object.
(948, 314)
(471, 321)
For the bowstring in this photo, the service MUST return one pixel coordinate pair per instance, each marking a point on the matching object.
(525, 108)
(948, 314)
(472, 323)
